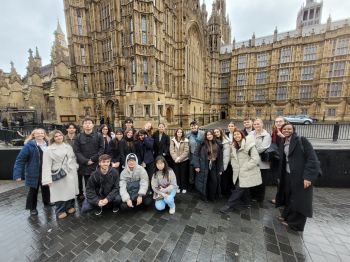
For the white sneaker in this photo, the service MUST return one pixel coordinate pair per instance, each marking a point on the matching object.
(184, 191)
(172, 211)
(178, 191)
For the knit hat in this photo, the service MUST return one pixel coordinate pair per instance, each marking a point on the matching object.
(131, 157)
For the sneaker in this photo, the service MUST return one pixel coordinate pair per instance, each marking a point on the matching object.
(71, 210)
(184, 191)
(115, 209)
(178, 191)
(225, 209)
(98, 211)
(62, 215)
(33, 212)
(172, 211)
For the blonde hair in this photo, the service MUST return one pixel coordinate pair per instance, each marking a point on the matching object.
(260, 120)
(31, 136)
(52, 136)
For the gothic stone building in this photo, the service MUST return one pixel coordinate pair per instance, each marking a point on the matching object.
(148, 59)
(46, 93)
(303, 71)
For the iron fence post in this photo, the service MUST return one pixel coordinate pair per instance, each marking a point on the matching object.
(335, 132)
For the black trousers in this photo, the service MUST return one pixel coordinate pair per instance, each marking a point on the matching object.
(296, 221)
(226, 182)
(239, 197)
(213, 183)
(258, 192)
(181, 172)
(32, 197)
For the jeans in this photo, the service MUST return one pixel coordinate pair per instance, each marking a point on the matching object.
(169, 200)
(63, 206)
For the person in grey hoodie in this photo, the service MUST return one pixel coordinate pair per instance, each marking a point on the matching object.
(133, 184)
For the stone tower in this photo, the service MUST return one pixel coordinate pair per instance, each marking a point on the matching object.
(309, 14)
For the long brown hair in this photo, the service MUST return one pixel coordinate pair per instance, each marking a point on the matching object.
(212, 146)
(183, 134)
(52, 136)
(235, 143)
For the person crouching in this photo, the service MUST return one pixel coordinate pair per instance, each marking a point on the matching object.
(134, 184)
(164, 185)
(102, 188)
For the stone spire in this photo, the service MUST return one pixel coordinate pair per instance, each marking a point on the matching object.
(14, 76)
(37, 53)
(275, 35)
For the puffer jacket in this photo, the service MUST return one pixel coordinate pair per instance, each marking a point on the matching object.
(162, 185)
(262, 142)
(226, 151)
(181, 153)
(245, 162)
(128, 176)
(28, 163)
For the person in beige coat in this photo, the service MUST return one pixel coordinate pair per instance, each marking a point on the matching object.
(246, 172)
(179, 151)
(62, 191)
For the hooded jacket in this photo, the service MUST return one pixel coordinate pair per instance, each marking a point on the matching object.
(128, 176)
(245, 162)
(102, 186)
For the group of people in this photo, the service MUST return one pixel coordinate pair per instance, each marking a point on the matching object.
(128, 167)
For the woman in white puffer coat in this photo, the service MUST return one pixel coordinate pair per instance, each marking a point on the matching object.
(246, 172)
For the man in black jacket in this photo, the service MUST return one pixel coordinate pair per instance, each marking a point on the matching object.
(102, 188)
(88, 146)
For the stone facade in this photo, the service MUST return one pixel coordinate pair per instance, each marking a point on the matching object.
(46, 93)
(303, 71)
(147, 58)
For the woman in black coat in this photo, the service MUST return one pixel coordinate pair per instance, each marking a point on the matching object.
(208, 163)
(162, 144)
(114, 150)
(300, 170)
(127, 146)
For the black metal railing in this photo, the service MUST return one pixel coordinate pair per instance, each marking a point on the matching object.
(321, 131)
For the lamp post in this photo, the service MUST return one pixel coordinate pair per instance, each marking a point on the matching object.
(203, 116)
(194, 115)
(158, 103)
(181, 115)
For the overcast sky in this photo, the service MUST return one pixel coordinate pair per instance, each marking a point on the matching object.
(26, 24)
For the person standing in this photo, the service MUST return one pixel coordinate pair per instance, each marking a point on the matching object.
(29, 163)
(63, 191)
(248, 126)
(195, 138)
(88, 147)
(162, 144)
(262, 142)
(127, 146)
(164, 185)
(144, 150)
(246, 172)
(278, 140)
(231, 128)
(106, 134)
(299, 173)
(71, 135)
(208, 163)
(226, 183)
(114, 150)
(179, 151)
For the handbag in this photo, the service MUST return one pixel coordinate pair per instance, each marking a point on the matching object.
(270, 154)
(60, 173)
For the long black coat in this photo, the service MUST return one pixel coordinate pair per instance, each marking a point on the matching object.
(200, 159)
(303, 164)
(162, 147)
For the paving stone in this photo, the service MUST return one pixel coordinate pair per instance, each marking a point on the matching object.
(196, 232)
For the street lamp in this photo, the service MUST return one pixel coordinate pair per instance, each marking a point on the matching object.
(181, 115)
(158, 103)
(194, 115)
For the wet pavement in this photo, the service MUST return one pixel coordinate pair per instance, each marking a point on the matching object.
(196, 232)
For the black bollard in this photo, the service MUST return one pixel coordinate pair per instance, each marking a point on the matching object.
(335, 131)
